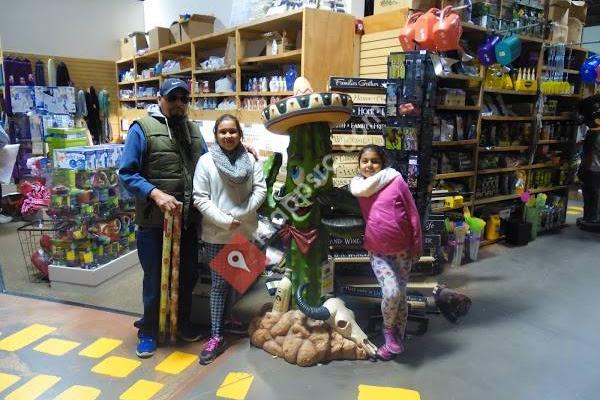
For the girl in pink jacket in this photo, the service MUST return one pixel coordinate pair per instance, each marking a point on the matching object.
(392, 237)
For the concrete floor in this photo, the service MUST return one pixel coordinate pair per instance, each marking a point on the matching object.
(531, 334)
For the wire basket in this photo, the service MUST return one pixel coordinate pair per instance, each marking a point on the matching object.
(29, 236)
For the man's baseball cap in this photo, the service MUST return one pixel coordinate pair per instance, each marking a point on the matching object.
(171, 84)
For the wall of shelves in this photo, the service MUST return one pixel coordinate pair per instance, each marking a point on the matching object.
(530, 146)
(319, 32)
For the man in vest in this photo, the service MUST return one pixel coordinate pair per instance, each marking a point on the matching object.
(158, 163)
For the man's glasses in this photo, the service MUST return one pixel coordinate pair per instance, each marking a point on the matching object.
(171, 98)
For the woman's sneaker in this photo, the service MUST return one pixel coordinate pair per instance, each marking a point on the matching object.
(146, 346)
(212, 348)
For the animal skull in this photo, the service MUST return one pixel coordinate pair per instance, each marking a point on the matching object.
(339, 317)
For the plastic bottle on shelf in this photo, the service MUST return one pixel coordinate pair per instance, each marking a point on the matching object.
(273, 84)
(283, 294)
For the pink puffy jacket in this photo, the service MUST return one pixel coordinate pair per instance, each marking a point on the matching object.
(392, 222)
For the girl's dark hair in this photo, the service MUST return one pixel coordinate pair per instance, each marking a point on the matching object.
(375, 149)
(231, 117)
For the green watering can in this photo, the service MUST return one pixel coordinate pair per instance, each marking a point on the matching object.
(508, 50)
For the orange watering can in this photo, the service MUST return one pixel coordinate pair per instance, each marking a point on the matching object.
(407, 34)
(424, 29)
(447, 30)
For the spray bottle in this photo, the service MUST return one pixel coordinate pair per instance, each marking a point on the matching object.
(284, 292)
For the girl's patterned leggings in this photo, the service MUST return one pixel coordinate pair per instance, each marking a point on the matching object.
(392, 272)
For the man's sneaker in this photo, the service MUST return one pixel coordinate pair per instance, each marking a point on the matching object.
(191, 333)
(5, 219)
(212, 348)
(146, 346)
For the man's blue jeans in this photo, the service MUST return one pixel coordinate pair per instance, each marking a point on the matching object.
(149, 245)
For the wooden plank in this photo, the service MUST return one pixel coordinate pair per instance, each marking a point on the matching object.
(374, 37)
(326, 34)
(452, 175)
(379, 52)
(356, 50)
(386, 21)
(366, 62)
(287, 57)
(375, 69)
(380, 75)
(379, 44)
(496, 199)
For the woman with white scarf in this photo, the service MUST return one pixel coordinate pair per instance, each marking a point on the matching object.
(229, 186)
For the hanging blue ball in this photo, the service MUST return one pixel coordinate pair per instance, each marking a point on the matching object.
(588, 69)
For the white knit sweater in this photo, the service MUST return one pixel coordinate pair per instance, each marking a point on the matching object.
(221, 201)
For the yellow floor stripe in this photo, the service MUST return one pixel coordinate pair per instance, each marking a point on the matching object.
(235, 386)
(142, 390)
(100, 348)
(366, 392)
(176, 362)
(573, 213)
(56, 347)
(573, 208)
(25, 337)
(78, 392)
(117, 367)
(34, 388)
(7, 380)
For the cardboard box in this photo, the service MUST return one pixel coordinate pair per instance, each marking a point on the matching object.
(132, 43)
(284, 43)
(196, 25)
(559, 33)
(382, 6)
(559, 12)
(578, 10)
(575, 30)
(159, 37)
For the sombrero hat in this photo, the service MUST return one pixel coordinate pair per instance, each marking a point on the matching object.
(306, 107)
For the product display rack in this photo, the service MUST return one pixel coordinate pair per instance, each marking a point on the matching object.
(577, 54)
(321, 32)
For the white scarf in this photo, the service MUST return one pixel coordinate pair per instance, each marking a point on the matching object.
(366, 187)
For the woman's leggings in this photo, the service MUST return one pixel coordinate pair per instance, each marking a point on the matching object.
(392, 272)
(219, 290)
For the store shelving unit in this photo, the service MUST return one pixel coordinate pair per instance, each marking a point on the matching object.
(320, 32)
(531, 145)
